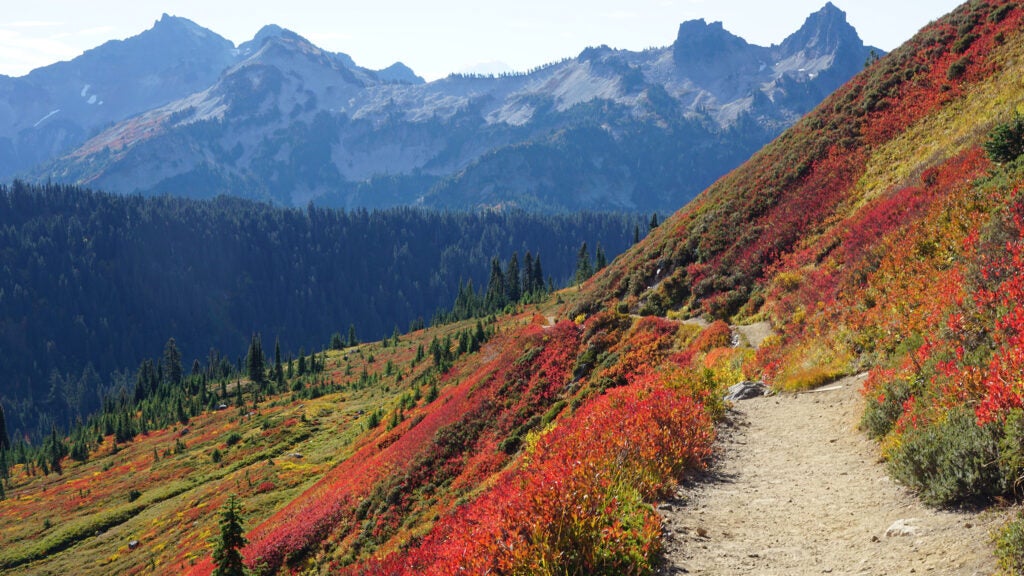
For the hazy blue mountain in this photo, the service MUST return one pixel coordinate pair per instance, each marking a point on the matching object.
(56, 108)
(608, 129)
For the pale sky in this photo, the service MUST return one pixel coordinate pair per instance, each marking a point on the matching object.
(437, 37)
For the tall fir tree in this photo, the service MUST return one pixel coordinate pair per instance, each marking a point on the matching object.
(172, 362)
(528, 282)
(5, 440)
(584, 269)
(513, 283)
(254, 360)
(146, 380)
(538, 274)
(278, 368)
(600, 260)
(496, 286)
(352, 340)
(654, 221)
(227, 555)
(636, 234)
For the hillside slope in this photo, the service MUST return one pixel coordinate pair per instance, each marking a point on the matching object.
(881, 232)
(884, 232)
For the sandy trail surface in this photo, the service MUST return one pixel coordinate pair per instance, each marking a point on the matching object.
(796, 489)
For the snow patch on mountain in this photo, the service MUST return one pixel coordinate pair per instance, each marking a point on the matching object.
(45, 118)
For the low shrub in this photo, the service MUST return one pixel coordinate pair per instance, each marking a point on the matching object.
(1006, 141)
(1010, 546)
(957, 68)
(953, 461)
(884, 408)
(806, 378)
(233, 438)
(1011, 449)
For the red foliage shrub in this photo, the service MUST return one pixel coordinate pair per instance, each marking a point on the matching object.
(265, 486)
(717, 335)
(640, 351)
(568, 507)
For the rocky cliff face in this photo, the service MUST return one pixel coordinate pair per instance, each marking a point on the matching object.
(609, 129)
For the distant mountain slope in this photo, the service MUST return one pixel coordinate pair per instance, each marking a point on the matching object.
(292, 123)
(54, 109)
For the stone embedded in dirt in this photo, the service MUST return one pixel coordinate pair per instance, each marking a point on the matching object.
(901, 528)
(746, 391)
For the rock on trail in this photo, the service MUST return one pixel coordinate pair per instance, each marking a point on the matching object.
(797, 490)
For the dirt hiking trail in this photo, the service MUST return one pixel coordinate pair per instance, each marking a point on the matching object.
(797, 490)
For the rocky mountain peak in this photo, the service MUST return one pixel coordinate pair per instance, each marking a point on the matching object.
(176, 28)
(286, 41)
(824, 32)
(399, 73)
(265, 33)
(699, 41)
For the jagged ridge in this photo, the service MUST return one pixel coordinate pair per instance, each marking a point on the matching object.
(590, 132)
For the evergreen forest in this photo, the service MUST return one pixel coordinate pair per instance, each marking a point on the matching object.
(93, 283)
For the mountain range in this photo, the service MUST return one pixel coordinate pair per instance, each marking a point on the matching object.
(181, 110)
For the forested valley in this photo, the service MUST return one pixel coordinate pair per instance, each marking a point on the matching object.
(93, 283)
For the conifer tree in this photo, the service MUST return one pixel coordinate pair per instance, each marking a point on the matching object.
(254, 360)
(528, 282)
(601, 259)
(352, 340)
(5, 440)
(146, 380)
(513, 283)
(227, 556)
(1006, 141)
(583, 268)
(278, 368)
(496, 286)
(172, 362)
(636, 234)
(478, 335)
(654, 221)
(538, 274)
